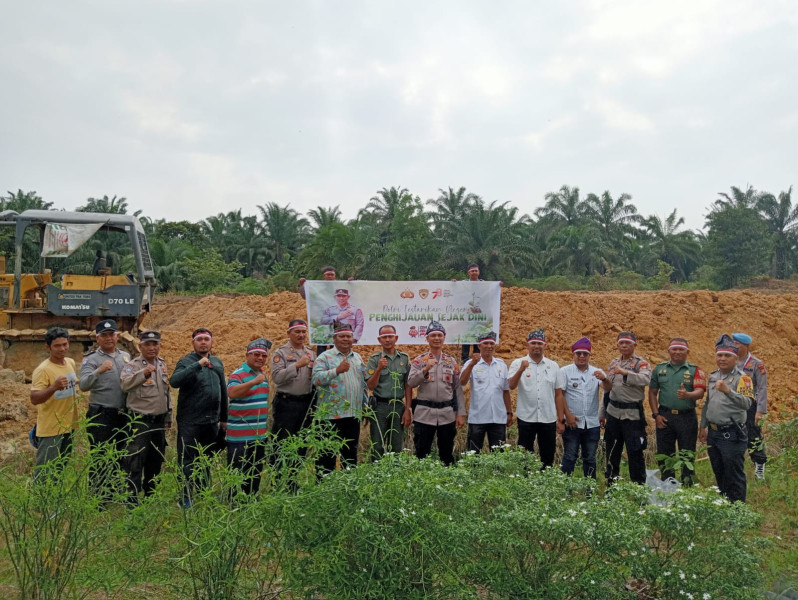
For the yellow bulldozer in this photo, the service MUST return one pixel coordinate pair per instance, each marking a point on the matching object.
(30, 303)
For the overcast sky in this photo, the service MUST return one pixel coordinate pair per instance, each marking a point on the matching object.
(190, 108)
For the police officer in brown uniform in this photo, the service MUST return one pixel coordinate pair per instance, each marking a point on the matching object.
(440, 404)
(149, 408)
(730, 393)
(292, 366)
(623, 417)
(755, 369)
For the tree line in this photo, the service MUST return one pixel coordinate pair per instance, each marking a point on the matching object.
(572, 241)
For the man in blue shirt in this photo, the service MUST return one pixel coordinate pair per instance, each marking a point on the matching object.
(580, 382)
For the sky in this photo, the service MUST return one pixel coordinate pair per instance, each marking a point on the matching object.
(189, 108)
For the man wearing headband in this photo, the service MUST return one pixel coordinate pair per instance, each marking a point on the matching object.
(623, 417)
(440, 404)
(248, 392)
(755, 369)
(201, 409)
(489, 412)
(676, 385)
(580, 382)
(386, 373)
(327, 274)
(540, 398)
(730, 393)
(344, 313)
(339, 375)
(291, 366)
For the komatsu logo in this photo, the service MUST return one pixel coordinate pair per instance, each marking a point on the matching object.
(75, 307)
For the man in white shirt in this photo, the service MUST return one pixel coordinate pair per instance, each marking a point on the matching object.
(580, 382)
(489, 412)
(539, 395)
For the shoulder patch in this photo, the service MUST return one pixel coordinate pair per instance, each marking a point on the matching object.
(276, 359)
(643, 364)
(761, 367)
(745, 386)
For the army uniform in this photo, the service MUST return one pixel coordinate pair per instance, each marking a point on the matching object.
(626, 423)
(724, 416)
(106, 413)
(681, 421)
(438, 402)
(755, 369)
(295, 392)
(149, 408)
(388, 401)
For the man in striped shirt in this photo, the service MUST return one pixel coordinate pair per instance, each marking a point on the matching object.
(248, 394)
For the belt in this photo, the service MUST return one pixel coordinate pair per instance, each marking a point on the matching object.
(381, 399)
(432, 404)
(104, 408)
(617, 404)
(146, 418)
(302, 397)
(673, 411)
(718, 427)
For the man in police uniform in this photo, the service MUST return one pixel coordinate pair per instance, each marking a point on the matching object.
(623, 418)
(755, 369)
(344, 312)
(489, 412)
(730, 393)
(386, 377)
(440, 404)
(149, 409)
(292, 367)
(99, 375)
(676, 385)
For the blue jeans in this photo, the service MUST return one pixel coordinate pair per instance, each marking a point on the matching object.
(572, 441)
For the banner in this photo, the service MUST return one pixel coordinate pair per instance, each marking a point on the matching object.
(61, 239)
(465, 308)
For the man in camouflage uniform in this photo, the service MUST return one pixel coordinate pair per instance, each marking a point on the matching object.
(99, 375)
(676, 385)
(755, 369)
(730, 394)
(440, 404)
(149, 408)
(623, 417)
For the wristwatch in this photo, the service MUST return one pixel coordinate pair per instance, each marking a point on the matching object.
(655, 415)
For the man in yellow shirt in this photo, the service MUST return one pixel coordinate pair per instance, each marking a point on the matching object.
(54, 393)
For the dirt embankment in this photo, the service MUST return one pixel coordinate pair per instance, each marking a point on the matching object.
(700, 316)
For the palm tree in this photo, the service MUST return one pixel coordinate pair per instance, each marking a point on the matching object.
(325, 216)
(117, 206)
(680, 249)
(782, 219)
(285, 231)
(562, 209)
(737, 199)
(449, 207)
(577, 249)
(387, 207)
(615, 218)
(22, 201)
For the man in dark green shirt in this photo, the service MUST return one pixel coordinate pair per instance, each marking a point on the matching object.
(675, 387)
(386, 377)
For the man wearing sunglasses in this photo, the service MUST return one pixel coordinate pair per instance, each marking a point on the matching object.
(580, 382)
(201, 409)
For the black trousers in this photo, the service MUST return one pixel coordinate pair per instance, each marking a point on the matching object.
(496, 432)
(756, 443)
(348, 429)
(727, 457)
(632, 434)
(423, 435)
(247, 457)
(106, 429)
(145, 455)
(192, 442)
(546, 434)
(681, 430)
(291, 415)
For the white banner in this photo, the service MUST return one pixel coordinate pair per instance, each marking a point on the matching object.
(62, 239)
(465, 308)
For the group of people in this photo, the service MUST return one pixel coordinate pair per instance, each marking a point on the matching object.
(130, 405)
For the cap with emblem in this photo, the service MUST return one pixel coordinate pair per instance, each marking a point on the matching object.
(726, 345)
(341, 327)
(341, 292)
(297, 324)
(259, 344)
(627, 336)
(582, 344)
(107, 325)
(539, 335)
(435, 326)
(150, 336)
(743, 338)
(490, 336)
